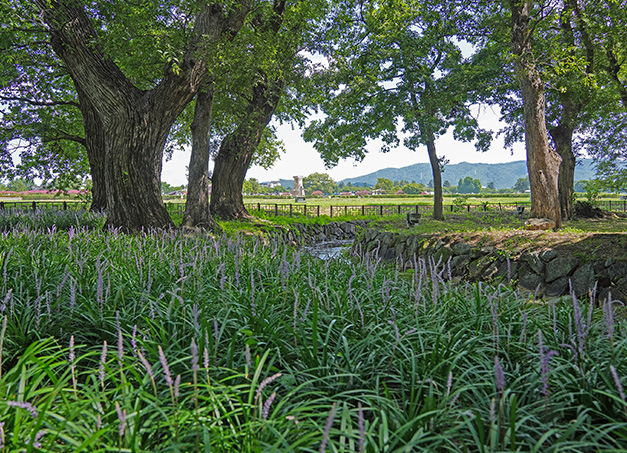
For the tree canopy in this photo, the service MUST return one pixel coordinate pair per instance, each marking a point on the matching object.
(102, 89)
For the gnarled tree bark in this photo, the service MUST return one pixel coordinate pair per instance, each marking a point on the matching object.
(572, 103)
(136, 123)
(197, 213)
(438, 209)
(237, 149)
(542, 162)
(95, 148)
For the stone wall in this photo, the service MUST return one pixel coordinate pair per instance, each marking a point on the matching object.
(303, 234)
(545, 274)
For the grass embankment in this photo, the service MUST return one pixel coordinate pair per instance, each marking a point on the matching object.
(169, 342)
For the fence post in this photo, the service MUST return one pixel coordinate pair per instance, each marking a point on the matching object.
(276, 210)
(65, 205)
(381, 210)
(399, 208)
(318, 210)
(305, 210)
(290, 209)
(363, 210)
(2, 205)
(610, 208)
(34, 206)
(331, 210)
(345, 210)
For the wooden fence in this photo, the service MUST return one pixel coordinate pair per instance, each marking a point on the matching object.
(386, 210)
(52, 205)
(314, 210)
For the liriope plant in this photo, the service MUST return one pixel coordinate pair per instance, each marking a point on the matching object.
(168, 341)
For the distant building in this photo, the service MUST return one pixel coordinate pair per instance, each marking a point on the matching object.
(270, 184)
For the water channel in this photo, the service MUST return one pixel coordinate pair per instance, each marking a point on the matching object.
(328, 250)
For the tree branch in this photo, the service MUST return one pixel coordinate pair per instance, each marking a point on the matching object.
(40, 103)
(61, 136)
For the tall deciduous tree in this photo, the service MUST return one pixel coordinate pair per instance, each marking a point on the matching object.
(319, 181)
(44, 125)
(604, 135)
(542, 161)
(395, 67)
(263, 64)
(136, 119)
(275, 68)
(197, 202)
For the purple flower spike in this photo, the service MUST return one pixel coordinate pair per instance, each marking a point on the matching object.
(121, 417)
(166, 368)
(327, 429)
(617, 382)
(194, 350)
(266, 406)
(103, 361)
(24, 405)
(499, 374)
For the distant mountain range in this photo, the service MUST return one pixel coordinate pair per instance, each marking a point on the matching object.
(502, 175)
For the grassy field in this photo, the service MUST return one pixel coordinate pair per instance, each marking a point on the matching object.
(179, 342)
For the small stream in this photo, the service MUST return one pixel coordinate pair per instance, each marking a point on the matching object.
(328, 250)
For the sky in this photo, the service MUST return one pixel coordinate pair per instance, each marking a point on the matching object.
(301, 159)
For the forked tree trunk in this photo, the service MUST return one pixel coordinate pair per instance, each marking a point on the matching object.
(236, 153)
(136, 123)
(438, 209)
(197, 213)
(542, 162)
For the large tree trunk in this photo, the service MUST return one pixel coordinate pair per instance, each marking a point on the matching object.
(95, 148)
(133, 162)
(542, 162)
(197, 211)
(236, 152)
(563, 139)
(237, 148)
(438, 210)
(572, 102)
(136, 122)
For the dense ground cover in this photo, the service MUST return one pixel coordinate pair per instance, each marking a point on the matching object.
(179, 342)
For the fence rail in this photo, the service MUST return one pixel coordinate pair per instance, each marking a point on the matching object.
(314, 210)
(44, 204)
(385, 210)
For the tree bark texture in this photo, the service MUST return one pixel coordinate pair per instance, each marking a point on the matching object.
(542, 162)
(95, 148)
(236, 152)
(438, 209)
(237, 148)
(136, 123)
(562, 136)
(197, 211)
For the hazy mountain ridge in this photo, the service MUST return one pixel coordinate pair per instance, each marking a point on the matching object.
(503, 175)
